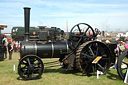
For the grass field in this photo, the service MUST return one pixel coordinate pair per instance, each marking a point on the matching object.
(54, 75)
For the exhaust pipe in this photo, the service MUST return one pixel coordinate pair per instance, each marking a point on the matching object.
(26, 22)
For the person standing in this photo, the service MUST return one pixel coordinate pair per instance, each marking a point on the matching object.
(121, 47)
(4, 39)
(10, 50)
(5, 49)
(14, 46)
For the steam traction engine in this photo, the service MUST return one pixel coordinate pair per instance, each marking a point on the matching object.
(80, 51)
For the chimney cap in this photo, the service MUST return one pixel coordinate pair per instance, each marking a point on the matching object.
(27, 8)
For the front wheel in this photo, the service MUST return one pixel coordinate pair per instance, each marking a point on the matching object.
(30, 67)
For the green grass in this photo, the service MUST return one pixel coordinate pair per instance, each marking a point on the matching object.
(54, 75)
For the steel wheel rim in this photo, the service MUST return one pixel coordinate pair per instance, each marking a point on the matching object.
(124, 70)
(88, 54)
(122, 64)
(30, 67)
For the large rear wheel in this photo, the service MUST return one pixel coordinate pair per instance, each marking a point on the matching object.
(92, 56)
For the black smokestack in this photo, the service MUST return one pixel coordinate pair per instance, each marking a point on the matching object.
(26, 22)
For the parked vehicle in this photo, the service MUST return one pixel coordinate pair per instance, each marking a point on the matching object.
(81, 52)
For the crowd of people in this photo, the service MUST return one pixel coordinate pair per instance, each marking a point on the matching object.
(121, 46)
(10, 47)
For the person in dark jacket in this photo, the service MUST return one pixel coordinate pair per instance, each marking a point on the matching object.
(5, 49)
(10, 50)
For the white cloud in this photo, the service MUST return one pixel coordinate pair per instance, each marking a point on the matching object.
(57, 13)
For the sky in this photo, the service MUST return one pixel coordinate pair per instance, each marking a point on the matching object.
(106, 15)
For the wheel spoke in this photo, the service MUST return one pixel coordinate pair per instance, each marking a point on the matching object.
(24, 72)
(37, 68)
(91, 51)
(97, 51)
(85, 62)
(29, 62)
(100, 67)
(85, 67)
(33, 75)
(93, 69)
(24, 63)
(86, 30)
(36, 63)
(78, 27)
(86, 56)
(102, 51)
(28, 75)
(25, 67)
(104, 58)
